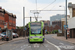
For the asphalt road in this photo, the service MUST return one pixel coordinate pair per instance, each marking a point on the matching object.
(63, 45)
(49, 44)
(24, 45)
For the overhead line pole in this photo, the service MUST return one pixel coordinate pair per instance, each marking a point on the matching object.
(24, 21)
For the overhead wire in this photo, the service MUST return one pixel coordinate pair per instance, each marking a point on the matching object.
(49, 5)
(44, 7)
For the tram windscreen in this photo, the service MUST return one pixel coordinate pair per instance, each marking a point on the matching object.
(35, 28)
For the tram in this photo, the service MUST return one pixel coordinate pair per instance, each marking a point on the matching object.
(36, 32)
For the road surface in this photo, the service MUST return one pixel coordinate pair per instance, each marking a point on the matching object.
(63, 45)
(49, 44)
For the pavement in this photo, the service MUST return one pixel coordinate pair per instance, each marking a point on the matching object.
(15, 39)
(71, 40)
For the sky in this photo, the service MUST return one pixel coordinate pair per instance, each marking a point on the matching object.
(16, 7)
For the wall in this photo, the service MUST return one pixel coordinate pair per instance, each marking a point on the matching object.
(71, 23)
(73, 13)
(57, 23)
(1, 20)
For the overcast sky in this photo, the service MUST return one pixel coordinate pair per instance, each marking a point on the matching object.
(16, 7)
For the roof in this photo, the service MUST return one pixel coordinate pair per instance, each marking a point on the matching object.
(10, 14)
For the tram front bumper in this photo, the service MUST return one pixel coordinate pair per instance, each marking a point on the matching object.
(36, 40)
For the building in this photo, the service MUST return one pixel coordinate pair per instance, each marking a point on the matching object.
(46, 23)
(71, 21)
(63, 23)
(7, 19)
(2, 18)
(56, 23)
(56, 18)
(71, 9)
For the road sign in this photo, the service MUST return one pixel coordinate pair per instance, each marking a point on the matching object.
(65, 27)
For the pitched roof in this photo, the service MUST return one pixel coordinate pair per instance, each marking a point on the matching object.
(4, 11)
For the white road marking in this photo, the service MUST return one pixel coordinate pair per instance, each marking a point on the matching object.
(61, 43)
(36, 45)
(67, 47)
(25, 46)
(53, 45)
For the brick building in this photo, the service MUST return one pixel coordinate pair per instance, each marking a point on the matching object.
(9, 18)
(56, 23)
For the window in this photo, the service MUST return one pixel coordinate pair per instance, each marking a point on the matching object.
(11, 18)
(10, 24)
(1, 14)
(35, 28)
(1, 22)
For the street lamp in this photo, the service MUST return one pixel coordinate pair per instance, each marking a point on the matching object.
(65, 17)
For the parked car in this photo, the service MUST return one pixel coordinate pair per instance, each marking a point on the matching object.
(3, 33)
(15, 35)
(0, 36)
(3, 37)
(7, 37)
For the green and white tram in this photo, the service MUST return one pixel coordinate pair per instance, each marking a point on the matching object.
(36, 32)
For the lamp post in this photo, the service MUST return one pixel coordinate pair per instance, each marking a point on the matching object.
(66, 19)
